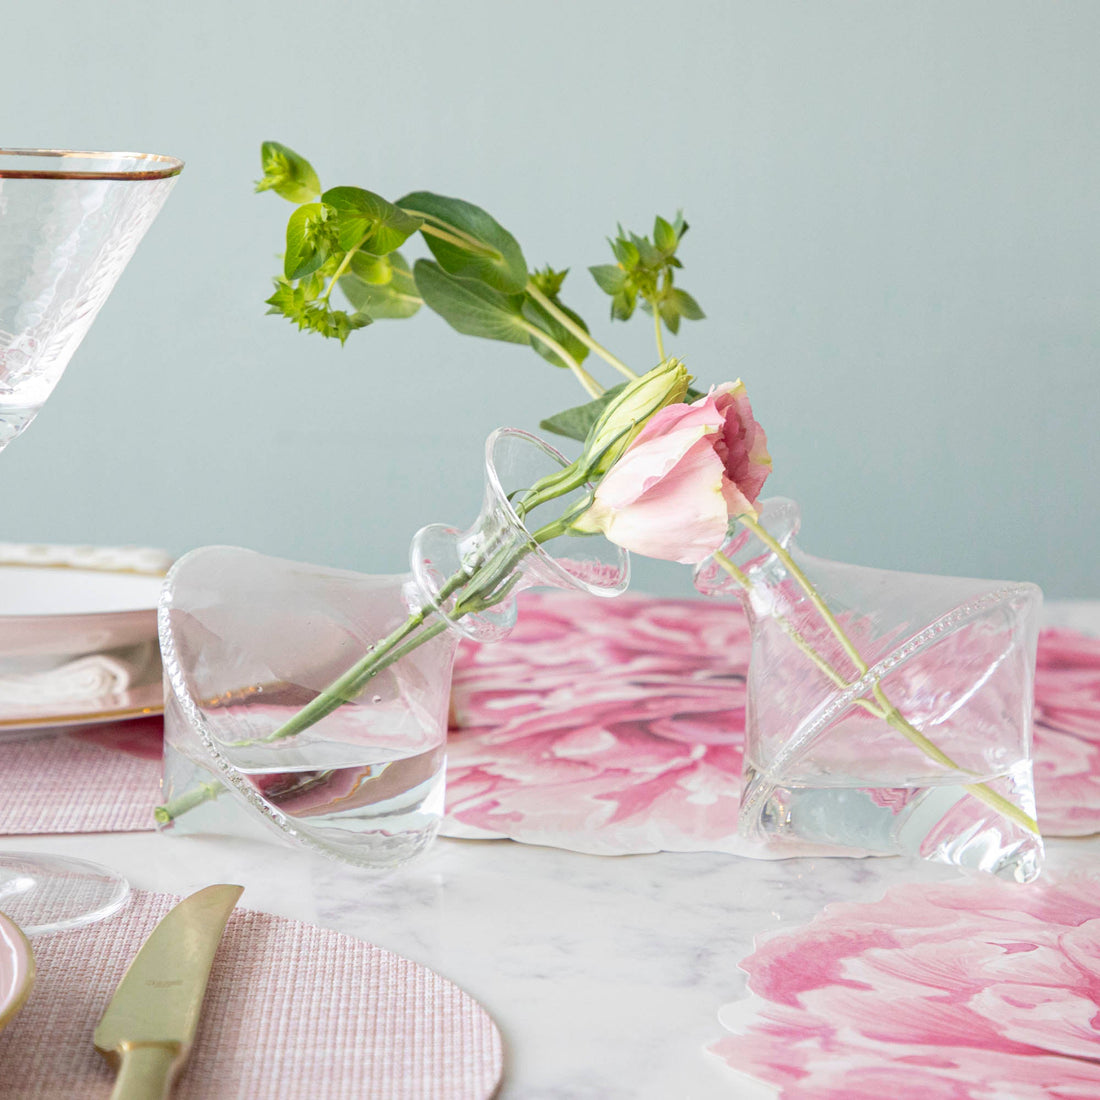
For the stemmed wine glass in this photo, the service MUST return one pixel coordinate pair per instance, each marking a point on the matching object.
(69, 223)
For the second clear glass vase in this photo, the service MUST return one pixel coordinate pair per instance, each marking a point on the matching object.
(315, 700)
(888, 713)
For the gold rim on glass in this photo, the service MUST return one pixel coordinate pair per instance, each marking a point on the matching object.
(151, 166)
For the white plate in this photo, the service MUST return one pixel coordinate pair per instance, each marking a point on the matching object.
(61, 611)
(16, 969)
(55, 613)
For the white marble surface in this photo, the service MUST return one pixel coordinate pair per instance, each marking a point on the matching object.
(604, 974)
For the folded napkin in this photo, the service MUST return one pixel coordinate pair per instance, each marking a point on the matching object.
(292, 1012)
(92, 677)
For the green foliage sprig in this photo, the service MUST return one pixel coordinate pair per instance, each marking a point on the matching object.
(477, 278)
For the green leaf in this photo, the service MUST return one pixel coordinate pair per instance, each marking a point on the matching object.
(366, 220)
(622, 304)
(669, 315)
(482, 249)
(625, 251)
(392, 298)
(287, 174)
(575, 423)
(556, 330)
(307, 241)
(287, 300)
(664, 236)
(376, 270)
(470, 306)
(648, 256)
(610, 278)
(686, 305)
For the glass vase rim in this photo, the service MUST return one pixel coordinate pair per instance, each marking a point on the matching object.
(158, 166)
(568, 579)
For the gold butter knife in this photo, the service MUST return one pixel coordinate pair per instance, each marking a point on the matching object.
(147, 1029)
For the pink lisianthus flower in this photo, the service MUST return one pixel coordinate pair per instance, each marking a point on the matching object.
(689, 471)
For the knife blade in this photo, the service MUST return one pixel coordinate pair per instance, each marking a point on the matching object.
(146, 1032)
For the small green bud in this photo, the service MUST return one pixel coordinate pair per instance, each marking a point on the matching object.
(630, 411)
(549, 281)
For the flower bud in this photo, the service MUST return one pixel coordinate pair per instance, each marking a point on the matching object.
(629, 411)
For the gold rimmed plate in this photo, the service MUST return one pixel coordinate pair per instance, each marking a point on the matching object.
(78, 637)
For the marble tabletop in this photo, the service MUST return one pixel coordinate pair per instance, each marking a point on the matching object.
(604, 974)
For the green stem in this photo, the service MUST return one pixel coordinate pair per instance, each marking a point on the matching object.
(204, 792)
(452, 235)
(592, 387)
(794, 635)
(657, 330)
(886, 710)
(576, 330)
(811, 592)
(342, 268)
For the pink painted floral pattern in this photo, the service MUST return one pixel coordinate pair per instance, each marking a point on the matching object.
(976, 991)
(605, 726)
(1067, 733)
(617, 726)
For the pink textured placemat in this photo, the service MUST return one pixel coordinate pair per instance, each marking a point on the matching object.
(292, 1012)
(95, 779)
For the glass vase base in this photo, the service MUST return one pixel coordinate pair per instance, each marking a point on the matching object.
(948, 823)
(375, 815)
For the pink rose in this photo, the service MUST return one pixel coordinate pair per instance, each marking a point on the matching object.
(689, 471)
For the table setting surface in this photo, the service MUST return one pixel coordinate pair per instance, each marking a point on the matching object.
(607, 976)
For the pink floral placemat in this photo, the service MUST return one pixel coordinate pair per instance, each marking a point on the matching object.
(292, 1012)
(616, 726)
(605, 726)
(973, 991)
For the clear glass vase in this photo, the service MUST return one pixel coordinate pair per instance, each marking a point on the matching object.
(315, 700)
(888, 713)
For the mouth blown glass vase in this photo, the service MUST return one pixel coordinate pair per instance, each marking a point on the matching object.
(888, 713)
(315, 700)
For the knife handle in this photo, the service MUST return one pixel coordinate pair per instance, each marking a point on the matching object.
(145, 1071)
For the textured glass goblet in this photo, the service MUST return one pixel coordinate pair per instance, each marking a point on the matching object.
(69, 223)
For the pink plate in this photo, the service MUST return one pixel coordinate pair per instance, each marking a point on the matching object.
(16, 969)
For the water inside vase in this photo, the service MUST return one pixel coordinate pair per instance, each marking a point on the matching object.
(941, 821)
(381, 811)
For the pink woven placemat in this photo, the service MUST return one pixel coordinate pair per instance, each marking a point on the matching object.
(292, 1012)
(96, 779)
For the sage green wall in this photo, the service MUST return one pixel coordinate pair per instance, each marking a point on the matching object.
(895, 234)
